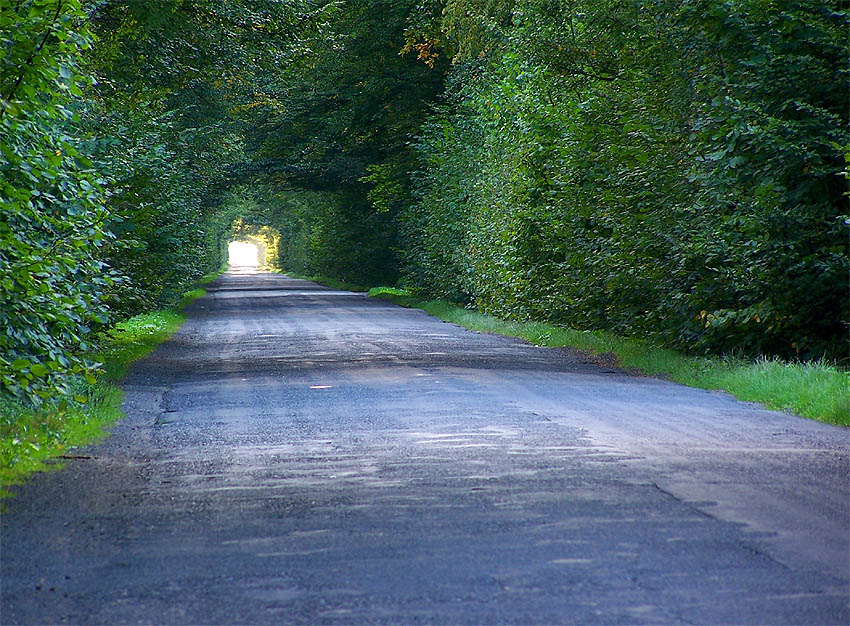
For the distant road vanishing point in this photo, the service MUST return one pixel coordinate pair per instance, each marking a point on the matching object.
(297, 454)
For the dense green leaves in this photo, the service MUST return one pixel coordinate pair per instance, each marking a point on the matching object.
(52, 280)
(334, 124)
(666, 169)
(165, 140)
(115, 149)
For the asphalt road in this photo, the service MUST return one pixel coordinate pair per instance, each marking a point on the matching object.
(297, 454)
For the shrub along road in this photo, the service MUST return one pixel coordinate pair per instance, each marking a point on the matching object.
(301, 454)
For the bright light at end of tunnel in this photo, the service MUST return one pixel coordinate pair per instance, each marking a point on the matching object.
(242, 253)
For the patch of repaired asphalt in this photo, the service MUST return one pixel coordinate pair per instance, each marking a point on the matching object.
(297, 454)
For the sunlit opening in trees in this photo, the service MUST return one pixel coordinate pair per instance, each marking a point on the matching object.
(243, 253)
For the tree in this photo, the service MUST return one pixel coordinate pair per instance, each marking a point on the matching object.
(53, 282)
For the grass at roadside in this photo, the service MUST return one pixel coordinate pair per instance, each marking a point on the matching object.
(29, 438)
(814, 390)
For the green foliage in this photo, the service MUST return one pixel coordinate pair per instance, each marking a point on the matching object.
(477, 27)
(772, 132)
(53, 282)
(137, 336)
(670, 170)
(29, 436)
(330, 130)
(265, 238)
(375, 292)
(437, 239)
(116, 147)
(165, 140)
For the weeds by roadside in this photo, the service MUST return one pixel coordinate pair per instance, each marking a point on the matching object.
(30, 437)
(815, 390)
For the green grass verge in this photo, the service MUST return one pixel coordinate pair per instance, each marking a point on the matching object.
(29, 438)
(815, 390)
(208, 278)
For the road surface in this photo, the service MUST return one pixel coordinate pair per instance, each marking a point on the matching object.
(297, 454)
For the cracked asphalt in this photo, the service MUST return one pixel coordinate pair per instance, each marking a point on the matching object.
(297, 454)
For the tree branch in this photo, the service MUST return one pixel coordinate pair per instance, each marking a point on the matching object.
(32, 56)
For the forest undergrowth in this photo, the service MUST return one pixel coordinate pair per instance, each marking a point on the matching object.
(38, 438)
